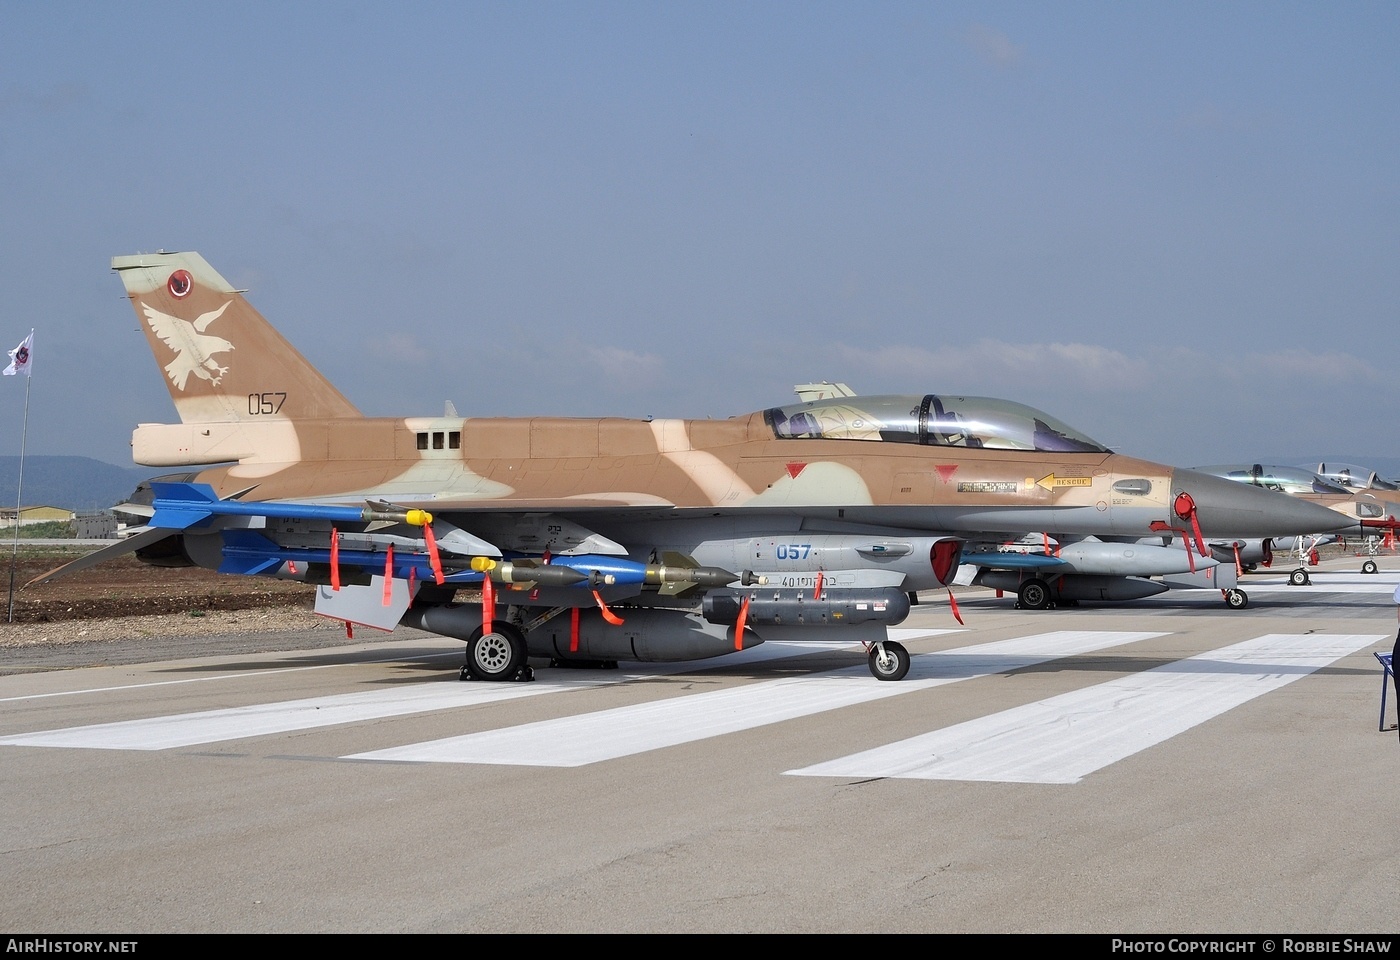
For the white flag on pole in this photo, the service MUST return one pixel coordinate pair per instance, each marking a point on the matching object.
(22, 357)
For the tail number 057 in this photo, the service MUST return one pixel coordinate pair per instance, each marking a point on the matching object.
(265, 403)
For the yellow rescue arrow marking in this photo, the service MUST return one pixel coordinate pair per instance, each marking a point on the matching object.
(1051, 481)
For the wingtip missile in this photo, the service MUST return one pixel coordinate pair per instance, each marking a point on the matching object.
(179, 506)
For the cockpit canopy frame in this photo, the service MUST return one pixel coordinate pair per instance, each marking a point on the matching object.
(930, 420)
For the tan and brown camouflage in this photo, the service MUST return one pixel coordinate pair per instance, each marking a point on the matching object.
(874, 495)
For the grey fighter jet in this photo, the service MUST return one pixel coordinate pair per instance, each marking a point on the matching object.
(1374, 510)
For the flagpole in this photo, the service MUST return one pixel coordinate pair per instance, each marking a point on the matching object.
(19, 487)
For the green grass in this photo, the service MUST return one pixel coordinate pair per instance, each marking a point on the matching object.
(48, 530)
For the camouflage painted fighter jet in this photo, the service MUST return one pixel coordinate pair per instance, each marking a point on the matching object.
(1372, 508)
(598, 540)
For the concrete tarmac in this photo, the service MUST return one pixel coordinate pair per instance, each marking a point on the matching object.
(1168, 766)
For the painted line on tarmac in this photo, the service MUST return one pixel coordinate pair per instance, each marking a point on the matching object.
(237, 723)
(1324, 583)
(227, 676)
(609, 734)
(1064, 739)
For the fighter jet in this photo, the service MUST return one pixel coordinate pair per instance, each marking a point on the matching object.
(1366, 508)
(598, 540)
(1372, 509)
(1354, 477)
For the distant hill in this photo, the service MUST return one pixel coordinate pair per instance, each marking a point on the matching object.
(74, 483)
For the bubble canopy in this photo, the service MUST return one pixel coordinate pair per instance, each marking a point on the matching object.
(1294, 480)
(1353, 477)
(931, 420)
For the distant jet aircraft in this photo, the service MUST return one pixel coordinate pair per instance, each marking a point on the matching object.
(1373, 508)
(1355, 478)
(598, 540)
(1366, 508)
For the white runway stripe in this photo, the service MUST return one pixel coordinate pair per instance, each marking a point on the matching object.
(1065, 738)
(1323, 581)
(591, 738)
(1320, 585)
(221, 678)
(236, 723)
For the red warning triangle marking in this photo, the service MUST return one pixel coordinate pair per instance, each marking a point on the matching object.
(794, 469)
(946, 471)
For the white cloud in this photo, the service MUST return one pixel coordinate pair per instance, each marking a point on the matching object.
(993, 46)
(994, 364)
(1307, 369)
(405, 348)
(1179, 405)
(626, 370)
(1003, 365)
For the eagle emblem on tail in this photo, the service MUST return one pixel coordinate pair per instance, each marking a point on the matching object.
(194, 349)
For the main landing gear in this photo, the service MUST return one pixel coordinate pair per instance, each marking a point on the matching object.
(889, 660)
(1033, 594)
(498, 655)
(1299, 577)
(1236, 599)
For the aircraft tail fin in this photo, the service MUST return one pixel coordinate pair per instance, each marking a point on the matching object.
(222, 362)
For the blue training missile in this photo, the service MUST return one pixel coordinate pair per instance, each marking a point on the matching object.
(179, 506)
(249, 552)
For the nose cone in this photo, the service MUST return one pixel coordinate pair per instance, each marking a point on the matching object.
(1227, 508)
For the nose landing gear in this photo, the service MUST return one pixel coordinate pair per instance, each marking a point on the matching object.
(889, 660)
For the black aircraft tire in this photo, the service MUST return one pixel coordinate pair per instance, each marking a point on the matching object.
(1236, 599)
(893, 665)
(1034, 594)
(1369, 567)
(1299, 578)
(497, 655)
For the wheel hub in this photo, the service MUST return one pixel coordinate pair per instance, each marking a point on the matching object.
(492, 653)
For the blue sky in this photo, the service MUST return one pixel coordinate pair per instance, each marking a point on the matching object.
(1174, 226)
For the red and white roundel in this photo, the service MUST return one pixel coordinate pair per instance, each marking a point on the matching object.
(180, 284)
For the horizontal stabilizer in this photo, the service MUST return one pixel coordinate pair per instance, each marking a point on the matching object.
(131, 544)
